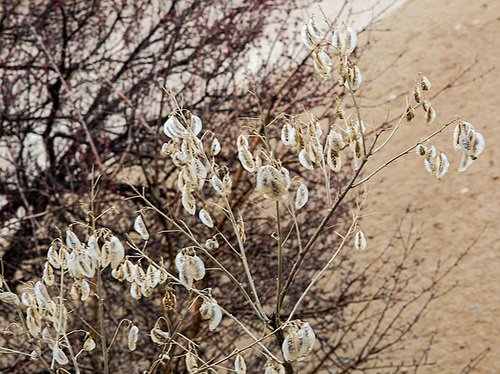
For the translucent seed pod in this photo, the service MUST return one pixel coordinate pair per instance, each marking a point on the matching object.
(228, 183)
(333, 160)
(205, 218)
(425, 83)
(159, 336)
(129, 271)
(289, 135)
(301, 197)
(48, 274)
(135, 291)
(314, 29)
(274, 368)
(218, 186)
(417, 95)
(200, 171)
(191, 363)
(307, 38)
(355, 78)
(140, 228)
(442, 165)
(146, 290)
(89, 344)
(360, 241)
(324, 59)
(118, 273)
(215, 147)
(188, 201)
(430, 116)
(198, 268)
(246, 159)
(304, 160)
(72, 240)
(319, 67)
(242, 141)
(54, 258)
(196, 124)
(41, 293)
(9, 298)
(59, 356)
(133, 337)
(352, 39)
(239, 365)
(211, 244)
(335, 140)
(429, 166)
(117, 252)
(421, 150)
(465, 162)
(211, 310)
(33, 321)
(93, 247)
(426, 104)
(173, 128)
(272, 183)
(478, 146)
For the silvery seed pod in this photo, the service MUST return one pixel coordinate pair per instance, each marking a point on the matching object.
(152, 277)
(426, 83)
(146, 290)
(211, 310)
(135, 291)
(324, 59)
(421, 150)
(33, 326)
(320, 67)
(159, 336)
(307, 38)
(430, 116)
(442, 165)
(360, 241)
(340, 112)
(289, 135)
(173, 128)
(188, 201)
(205, 218)
(242, 141)
(335, 141)
(72, 240)
(179, 159)
(133, 336)
(141, 275)
(465, 162)
(218, 185)
(106, 255)
(410, 112)
(9, 298)
(211, 244)
(316, 149)
(117, 252)
(215, 147)
(355, 78)
(41, 293)
(89, 344)
(301, 197)
(333, 160)
(352, 39)
(129, 271)
(140, 228)
(196, 124)
(246, 159)
(93, 247)
(426, 104)
(314, 29)
(478, 147)
(239, 365)
(417, 95)
(197, 267)
(59, 356)
(35, 355)
(228, 183)
(28, 299)
(304, 159)
(48, 274)
(274, 368)
(118, 273)
(272, 183)
(429, 166)
(191, 364)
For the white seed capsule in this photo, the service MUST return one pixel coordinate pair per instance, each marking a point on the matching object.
(211, 310)
(196, 124)
(135, 291)
(89, 344)
(212, 244)
(351, 40)
(272, 183)
(426, 83)
(140, 228)
(430, 116)
(307, 38)
(173, 128)
(360, 241)
(417, 95)
(159, 336)
(205, 218)
(421, 150)
(333, 160)
(218, 185)
(305, 160)
(188, 201)
(54, 258)
(215, 147)
(72, 240)
(242, 141)
(442, 165)
(133, 336)
(239, 365)
(246, 159)
(355, 78)
(426, 104)
(9, 298)
(478, 146)
(41, 293)
(465, 162)
(59, 356)
(93, 248)
(289, 135)
(302, 196)
(48, 274)
(314, 29)
(335, 140)
(191, 363)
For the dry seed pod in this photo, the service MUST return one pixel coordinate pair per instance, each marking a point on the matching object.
(140, 228)
(205, 218)
(135, 291)
(417, 95)
(246, 159)
(211, 310)
(54, 258)
(188, 201)
(133, 336)
(274, 368)
(89, 344)
(442, 165)
(196, 124)
(340, 112)
(299, 341)
(146, 290)
(302, 196)
(118, 273)
(333, 160)
(59, 356)
(41, 293)
(93, 248)
(305, 160)
(9, 298)
(314, 29)
(426, 104)
(215, 147)
(321, 68)
(272, 183)
(211, 244)
(335, 140)
(289, 135)
(410, 112)
(430, 116)
(426, 83)
(242, 141)
(191, 364)
(48, 274)
(117, 252)
(307, 38)
(360, 241)
(239, 365)
(465, 162)
(72, 240)
(355, 78)
(478, 146)
(173, 128)
(129, 271)
(159, 336)
(421, 150)
(218, 186)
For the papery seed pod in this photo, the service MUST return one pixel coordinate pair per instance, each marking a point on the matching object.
(246, 159)
(442, 165)
(179, 159)
(135, 291)
(72, 240)
(188, 201)
(289, 135)
(228, 183)
(59, 356)
(242, 141)
(429, 166)
(478, 146)
(426, 104)
(133, 336)
(197, 266)
(425, 83)
(28, 298)
(211, 244)
(140, 228)
(308, 338)
(74, 291)
(129, 271)
(218, 186)
(205, 218)
(421, 150)
(274, 368)
(239, 365)
(106, 255)
(324, 59)
(211, 310)
(417, 95)
(47, 338)
(410, 112)
(286, 176)
(314, 29)
(301, 197)
(315, 149)
(200, 171)
(89, 344)
(173, 128)
(272, 183)
(215, 147)
(340, 112)
(355, 78)
(360, 241)
(159, 336)
(34, 326)
(305, 160)
(54, 258)
(48, 274)
(141, 275)
(430, 116)
(169, 300)
(465, 162)
(41, 293)
(352, 39)
(196, 124)
(93, 247)
(152, 278)
(321, 68)
(35, 355)
(146, 290)
(307, 38)
(191, 364)
(335, 140)
(117, 252)
(9, 298)
(333, 160)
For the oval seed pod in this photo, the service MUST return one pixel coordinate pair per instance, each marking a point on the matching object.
(340, 112)
(59, 356)
(239, 365)
(360, 241)
(135, 291)
(410, 112)
(320, 67)
(324, 59)
(133, 336)
(89, 344)
(215, 147)
(314, 29)
(218, 186)
(289, 135)
(188, 201)
(9, 298)
(140, 228)
(41, 293)
(425, 84)
(117, 252)
(355, 78)
(242, 141)
(417, 95)
(272, 183)
(465, 162)
(478, 146)
(426, 104)
(205, 218)
(246, 159)
(421, 150)
(333, 160)
(304, 160)
(54, 258)
(72, 240)
(307, 38)
(351, 40)
(197, 267)
(191, 364)
(173, 128)
(196, 124)
(274, 368)
(430, 116)
(93, 247)
(211, 244)
(302, 196)
(48, 274)
(335, 140)
(159, 336)
(442, 165)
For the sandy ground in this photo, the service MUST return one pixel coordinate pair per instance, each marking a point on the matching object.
(442, 38)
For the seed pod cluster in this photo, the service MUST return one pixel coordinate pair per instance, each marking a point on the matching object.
(299, 341)
(244, 155)
(273, 183)
(472, 143)
(211, 310)
(435, 160)
(190, 268)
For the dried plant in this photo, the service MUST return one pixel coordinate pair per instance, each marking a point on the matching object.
(236, 249)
